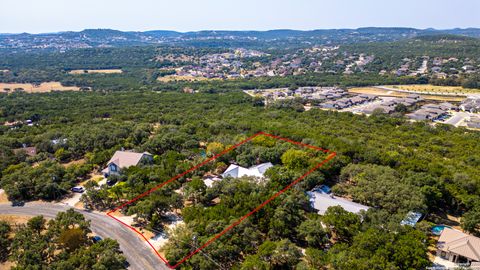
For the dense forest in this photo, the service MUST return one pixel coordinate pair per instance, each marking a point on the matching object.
(62, 243)
(387, 163)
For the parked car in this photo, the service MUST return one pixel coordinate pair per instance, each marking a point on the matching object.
(323, 189)
(96, 239)
(78, 189)
(18, 203)
(111, 182)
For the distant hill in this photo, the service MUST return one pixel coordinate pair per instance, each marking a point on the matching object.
(445, 37)
(97, 38)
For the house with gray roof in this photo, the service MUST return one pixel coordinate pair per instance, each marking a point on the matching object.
(380, 108)
(321, 201)
(473, 122)
(419, 115)
(470, 105)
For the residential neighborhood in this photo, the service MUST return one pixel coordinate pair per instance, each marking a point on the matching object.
(245, 63)
(417, 107)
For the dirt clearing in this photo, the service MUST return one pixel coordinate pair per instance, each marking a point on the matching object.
(36, 88)
(95, 71)
(454, 90)
(390, 93)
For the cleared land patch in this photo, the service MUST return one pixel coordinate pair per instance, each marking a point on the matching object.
(14, 219)
(3, 196)
(34, 88)
(172, 78)
(93, 71)
(428, 88)
(392, 93)
(74, 162)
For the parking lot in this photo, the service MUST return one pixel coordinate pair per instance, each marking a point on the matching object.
(457, 118)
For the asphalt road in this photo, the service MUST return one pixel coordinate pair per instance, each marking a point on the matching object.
(138, 253)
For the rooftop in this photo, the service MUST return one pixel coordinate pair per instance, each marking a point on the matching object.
(239, 171)
(124, 159)
(457, 242)
(321, 202)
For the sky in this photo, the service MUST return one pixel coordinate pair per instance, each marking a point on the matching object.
(43, 16)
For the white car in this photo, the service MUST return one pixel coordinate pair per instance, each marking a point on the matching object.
(78, 189)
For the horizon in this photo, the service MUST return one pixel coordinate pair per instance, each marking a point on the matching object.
(53, 16)
(241, 30)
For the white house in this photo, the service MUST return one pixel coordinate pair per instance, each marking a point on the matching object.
(321, 201)
(236, 171)
(210, 180)
(125, 159)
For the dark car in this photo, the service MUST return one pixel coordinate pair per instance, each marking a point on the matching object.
(18, 203)
(111, 182)
(96, 239)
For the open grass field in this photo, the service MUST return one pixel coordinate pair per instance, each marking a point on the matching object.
(13, 219)
(389, 93)
(6, 265)
(172, 78)
(74, 162)
(42, 88)
(428, 88)
(376, 91)
(260, 94)
(93, 71)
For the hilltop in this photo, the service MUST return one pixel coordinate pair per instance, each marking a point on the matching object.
(97, 38)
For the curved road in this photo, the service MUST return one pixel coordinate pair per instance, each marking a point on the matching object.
(138, 253)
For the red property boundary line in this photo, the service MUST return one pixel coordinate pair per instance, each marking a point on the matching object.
(329, 157)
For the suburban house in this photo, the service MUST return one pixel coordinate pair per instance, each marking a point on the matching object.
(473, 122)
(125, 159)
(209, 180)
(431, 112)
(236, 171)
(458, 247)
(470, 104)
(381, 108)
(321, 201)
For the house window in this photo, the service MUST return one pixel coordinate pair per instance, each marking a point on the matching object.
(113, 168)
